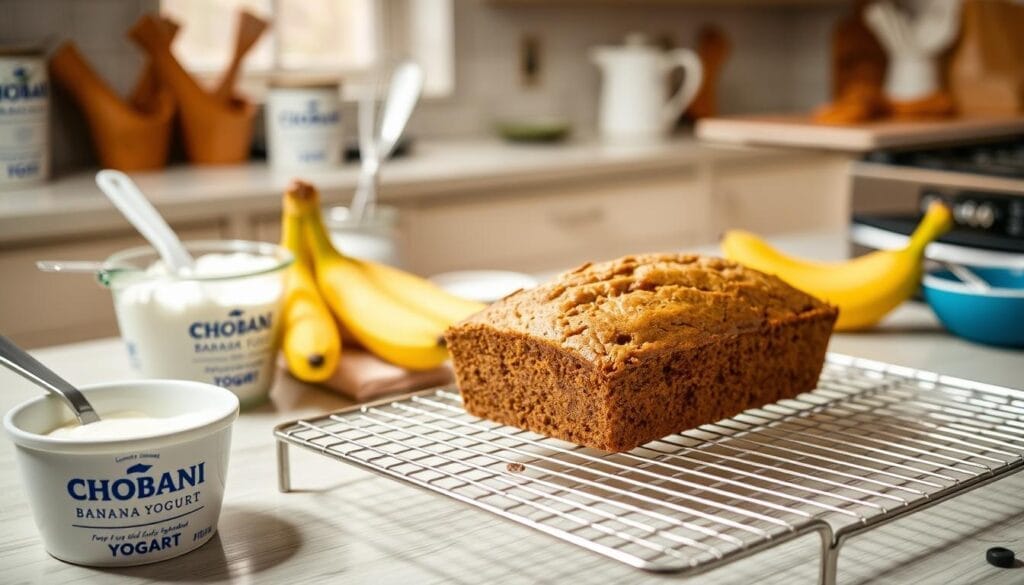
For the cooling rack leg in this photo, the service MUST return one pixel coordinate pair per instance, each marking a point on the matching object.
(284, 476)
(829, 562)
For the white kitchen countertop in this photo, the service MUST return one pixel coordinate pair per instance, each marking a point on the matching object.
(73, 204)
(346, 525)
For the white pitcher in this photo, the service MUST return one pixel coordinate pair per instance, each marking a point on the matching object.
(634, 75)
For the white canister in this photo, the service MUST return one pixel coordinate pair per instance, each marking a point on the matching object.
(303, 122)
(24, 118)
(126, 501)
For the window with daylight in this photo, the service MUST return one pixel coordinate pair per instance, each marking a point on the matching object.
(352, 38)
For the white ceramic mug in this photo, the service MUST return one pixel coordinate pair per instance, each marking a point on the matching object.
(634, 76)
(110, 503)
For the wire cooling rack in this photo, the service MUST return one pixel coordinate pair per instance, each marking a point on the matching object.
(872, 443)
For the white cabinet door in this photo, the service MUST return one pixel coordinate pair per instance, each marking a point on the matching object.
(770, 197)
(556, 227)
(38, 309)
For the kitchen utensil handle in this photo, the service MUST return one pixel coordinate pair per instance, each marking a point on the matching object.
(404, 92)
(693, 71)
(20, 362)
(368, 159)
(250, 29)
(125, 195)
(75, 266)
(366, 193)
(968, 277)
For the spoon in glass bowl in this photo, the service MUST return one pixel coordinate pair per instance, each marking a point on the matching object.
(20, 362)
(103, 271)
(129, 200)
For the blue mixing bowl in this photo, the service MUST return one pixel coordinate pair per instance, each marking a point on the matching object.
(995, 317)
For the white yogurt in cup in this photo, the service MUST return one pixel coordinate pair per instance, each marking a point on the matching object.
(219, 323)
(120, 493)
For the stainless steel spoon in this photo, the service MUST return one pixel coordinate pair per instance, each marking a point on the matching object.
(403, 93)
(103, 272)
(968, 277)
(18, 361)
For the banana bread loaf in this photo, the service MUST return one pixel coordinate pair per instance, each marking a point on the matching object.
(617, 354)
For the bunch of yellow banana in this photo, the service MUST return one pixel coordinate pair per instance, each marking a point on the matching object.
(397, 316)
(865, 288)
(311, 343)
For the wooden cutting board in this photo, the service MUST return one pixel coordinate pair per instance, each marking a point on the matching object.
(800, 131)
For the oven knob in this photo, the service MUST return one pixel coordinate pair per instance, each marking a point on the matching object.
(965, 213)
(1015, 227)
(927, 199)
(985, 215)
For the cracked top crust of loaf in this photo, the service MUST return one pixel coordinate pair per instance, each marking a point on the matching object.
(615, 312)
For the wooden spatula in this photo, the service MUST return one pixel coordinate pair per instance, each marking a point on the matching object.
(214, 131)
(713, 47)
(145, 95)
(250, 29)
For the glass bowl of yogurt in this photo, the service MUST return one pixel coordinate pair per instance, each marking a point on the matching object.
(142, 485)
(217, 322)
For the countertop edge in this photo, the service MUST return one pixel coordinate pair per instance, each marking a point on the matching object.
(72, 205)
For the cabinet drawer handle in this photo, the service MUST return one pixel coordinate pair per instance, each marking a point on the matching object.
(575, 219)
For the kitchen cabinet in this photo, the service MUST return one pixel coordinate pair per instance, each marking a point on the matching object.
(40, 308)
(547, 229)
(267, 228)
(773, 197)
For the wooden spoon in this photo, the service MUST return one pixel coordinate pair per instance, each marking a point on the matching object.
(713, 47)
(250, 29)
(148, 89)
(214, 131)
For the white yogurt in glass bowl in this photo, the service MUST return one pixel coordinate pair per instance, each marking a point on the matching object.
(143, 485)
(216, 323)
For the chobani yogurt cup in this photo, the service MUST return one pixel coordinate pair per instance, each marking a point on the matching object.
(218, 324)
(144, 489)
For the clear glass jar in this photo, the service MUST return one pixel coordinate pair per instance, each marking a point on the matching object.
(374, 238)
(218, 324)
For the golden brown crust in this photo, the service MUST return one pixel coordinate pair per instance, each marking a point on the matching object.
(616, 312)
(616, 354)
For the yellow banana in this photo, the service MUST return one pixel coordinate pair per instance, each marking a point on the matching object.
(866, 288)
(391, 329)
(421, 294)
(311, 345)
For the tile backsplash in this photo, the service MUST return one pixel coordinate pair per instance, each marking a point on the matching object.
(98, 28)
(779, 58)
(778, 62)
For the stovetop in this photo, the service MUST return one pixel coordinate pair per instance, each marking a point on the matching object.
(970, 238)
(1004, 158)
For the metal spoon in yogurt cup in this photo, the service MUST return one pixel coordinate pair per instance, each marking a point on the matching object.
(18, 361)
